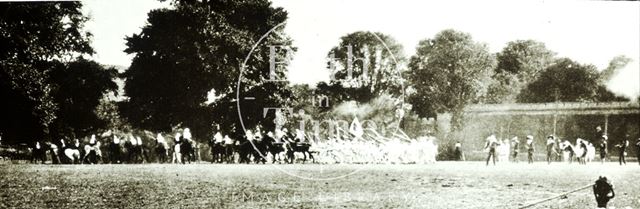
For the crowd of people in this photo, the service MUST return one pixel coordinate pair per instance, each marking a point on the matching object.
(356, 145)
(556, 149)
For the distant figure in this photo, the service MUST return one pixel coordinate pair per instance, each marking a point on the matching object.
(622, 150)
(581, 151)
(638, 149)
(603, 191)
(490, 145)
(598, 135)
(505, 151)
(551, 150)
(602, 146)
(530, 148)
(114, 150)
(568, 151)
(458, 151)
(515, 145)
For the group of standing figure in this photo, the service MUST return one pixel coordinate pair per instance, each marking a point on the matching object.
(557, 150)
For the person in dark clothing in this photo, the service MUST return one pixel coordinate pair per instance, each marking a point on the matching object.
(551, 148)
(491, 144)
(622, 150)
(530, 148)
(603, 148)
(458, 151)
(598, 135)
(603, 191)
(115, 151)
(38, 153)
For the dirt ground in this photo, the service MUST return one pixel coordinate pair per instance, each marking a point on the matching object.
(441, 185)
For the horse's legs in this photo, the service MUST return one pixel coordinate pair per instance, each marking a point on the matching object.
(313, 159)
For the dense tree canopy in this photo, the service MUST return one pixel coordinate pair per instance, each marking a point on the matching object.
(519, 64)
(371, 70)
(568, 81)
(448, 72)
(193, 51)
(79, 87)
(34, 39)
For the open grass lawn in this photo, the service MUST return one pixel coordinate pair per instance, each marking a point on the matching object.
(443, 185)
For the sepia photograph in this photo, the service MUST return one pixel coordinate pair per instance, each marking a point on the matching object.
(320, 104)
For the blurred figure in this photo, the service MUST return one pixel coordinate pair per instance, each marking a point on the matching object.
(568, 151)
(114, 150)
(458, 151)
(515, 145)
(603, 148)
(598, 135)
(551, 150)
(491, 145)
(638, 149)
(581, 151)
(162, 149)
(603, 191)
(622, 150)
(530, 148)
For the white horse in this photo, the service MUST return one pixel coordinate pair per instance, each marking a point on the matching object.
(71, 154)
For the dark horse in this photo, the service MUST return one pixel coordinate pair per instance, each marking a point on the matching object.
(162, 151)
(244, 150)
(186, 151)
(273, 147)
(217, 152)
(293, 147)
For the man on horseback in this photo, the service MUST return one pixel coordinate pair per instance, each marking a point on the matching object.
(38, 153)
(162, 148)
(91, 151)
(217, 147)
(229, 144)
(186, 146)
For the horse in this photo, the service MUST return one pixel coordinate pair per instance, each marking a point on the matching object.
(273, 147)
(162, 151)
(292, 147)
(72, 153)
(115, 151)
(217, 151)
(186, 151)
(244, 150)
(38, 153)
(92, 153)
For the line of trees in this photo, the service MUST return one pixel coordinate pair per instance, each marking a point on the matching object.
(187, 61)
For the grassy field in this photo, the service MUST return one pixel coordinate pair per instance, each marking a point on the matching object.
(442, 185)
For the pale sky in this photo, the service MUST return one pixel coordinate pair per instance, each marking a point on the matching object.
(590, 32)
